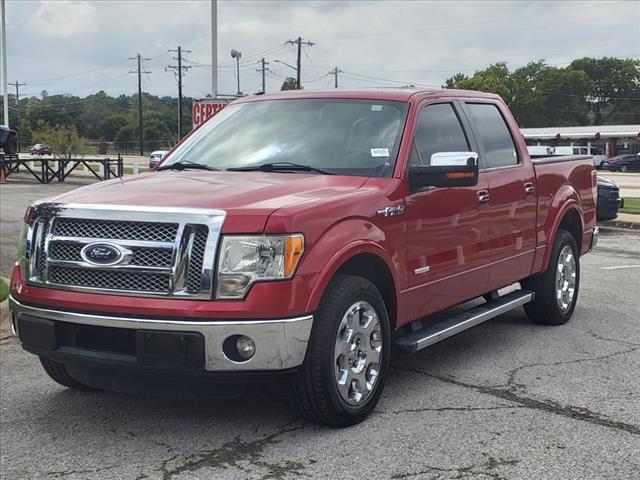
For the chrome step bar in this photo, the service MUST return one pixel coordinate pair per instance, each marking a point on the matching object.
(418, 339)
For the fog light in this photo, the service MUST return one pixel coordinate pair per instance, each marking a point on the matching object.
(245, 347)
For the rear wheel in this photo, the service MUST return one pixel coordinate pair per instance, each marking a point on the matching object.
(58, 372)
(556, 290)
(11, 145)
(343, 375)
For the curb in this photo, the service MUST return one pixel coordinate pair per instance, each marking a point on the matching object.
(621, 224)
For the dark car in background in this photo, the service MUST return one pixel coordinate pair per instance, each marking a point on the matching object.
(40, 149)
(8, 140)
(609, 200)
(629, 162)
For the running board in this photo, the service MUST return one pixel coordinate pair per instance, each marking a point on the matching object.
(417, 340)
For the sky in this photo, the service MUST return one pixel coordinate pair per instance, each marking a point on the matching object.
(81, 47)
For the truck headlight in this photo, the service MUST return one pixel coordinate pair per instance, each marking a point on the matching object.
(245, 260)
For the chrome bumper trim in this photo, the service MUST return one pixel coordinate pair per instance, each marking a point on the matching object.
(280, 344)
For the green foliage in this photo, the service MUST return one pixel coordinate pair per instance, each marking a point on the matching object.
(65, 142)
(4, 290)
(289, 84)
(631, 205)
(587, 92)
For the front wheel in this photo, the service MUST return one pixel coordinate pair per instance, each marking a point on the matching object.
(623, 168)
(59, 374)
(343, 374)
(556, 290)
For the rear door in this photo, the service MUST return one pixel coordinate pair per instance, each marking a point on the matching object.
(512, 199)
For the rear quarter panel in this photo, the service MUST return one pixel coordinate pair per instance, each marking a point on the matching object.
(562, 184)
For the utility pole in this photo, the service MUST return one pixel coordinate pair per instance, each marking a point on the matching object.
(4, 64)
(299, 42)
(214, 48)
(335, 73)
(179, 68)
(140, 72)
(263, 69)
(18, 85)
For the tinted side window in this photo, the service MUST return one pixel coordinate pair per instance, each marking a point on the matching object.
(438, 130)
(494, 135)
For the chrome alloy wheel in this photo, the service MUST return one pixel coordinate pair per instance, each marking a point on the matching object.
(565, 279)
(358, 352)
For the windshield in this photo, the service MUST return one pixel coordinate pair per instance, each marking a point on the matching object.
(345, 137)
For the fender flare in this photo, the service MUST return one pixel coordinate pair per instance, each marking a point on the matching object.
(569, 202)
(343, 255)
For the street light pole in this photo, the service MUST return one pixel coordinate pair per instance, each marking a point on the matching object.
(237, 55)
(5, 77)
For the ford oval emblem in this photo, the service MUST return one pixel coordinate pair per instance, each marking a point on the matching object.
(102, 254)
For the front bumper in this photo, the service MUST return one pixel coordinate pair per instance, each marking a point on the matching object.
(280, 344)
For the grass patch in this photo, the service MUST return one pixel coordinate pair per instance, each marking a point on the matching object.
(4, 290)
(631, 205)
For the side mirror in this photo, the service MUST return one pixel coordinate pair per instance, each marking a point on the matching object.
(446, 169)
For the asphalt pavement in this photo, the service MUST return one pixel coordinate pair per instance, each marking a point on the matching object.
(505, 400)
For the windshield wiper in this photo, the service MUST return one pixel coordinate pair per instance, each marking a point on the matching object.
(185, 164)
(279, 166)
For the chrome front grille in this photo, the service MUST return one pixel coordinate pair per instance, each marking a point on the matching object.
(161, 252)
(157, 232)
(111, 279)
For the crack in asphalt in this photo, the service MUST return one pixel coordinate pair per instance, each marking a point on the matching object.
(474, 471)
(64, 473)
(232, 455)
(507, 393)
(446, 409)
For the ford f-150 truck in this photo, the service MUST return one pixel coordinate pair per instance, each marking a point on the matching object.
(304, 235)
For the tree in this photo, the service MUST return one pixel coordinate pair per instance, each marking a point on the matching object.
(616, 88)
(289, 84)
(64, 141)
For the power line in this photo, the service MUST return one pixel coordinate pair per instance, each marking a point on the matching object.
(140, 124)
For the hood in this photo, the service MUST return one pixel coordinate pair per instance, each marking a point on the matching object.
(249, 198)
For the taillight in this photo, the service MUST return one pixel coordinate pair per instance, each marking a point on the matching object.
(594, 185)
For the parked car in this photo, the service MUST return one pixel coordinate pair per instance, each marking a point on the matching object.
(301, 235)
(598, 155)
(609, 200)
(8, 140)
(623, 163)
(156, 157)
(40, 149)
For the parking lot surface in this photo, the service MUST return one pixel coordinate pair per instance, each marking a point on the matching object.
(505, 400)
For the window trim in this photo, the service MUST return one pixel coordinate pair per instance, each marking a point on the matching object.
(462, 120)
(484, 164)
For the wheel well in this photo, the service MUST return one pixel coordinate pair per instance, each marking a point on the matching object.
(374, 269)
(571, 223)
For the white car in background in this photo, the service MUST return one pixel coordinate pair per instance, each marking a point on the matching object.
(156, 157)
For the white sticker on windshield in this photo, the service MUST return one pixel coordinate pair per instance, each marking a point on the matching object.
(379, 152)
(376, 108)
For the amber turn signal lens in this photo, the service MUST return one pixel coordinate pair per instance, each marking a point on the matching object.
(293, 249)
(460, 175)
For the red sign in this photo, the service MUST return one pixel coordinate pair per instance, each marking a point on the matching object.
(202, 110)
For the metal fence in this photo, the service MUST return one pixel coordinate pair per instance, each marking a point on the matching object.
(46, 170)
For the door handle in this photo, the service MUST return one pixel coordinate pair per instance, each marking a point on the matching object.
(529, 188)
(483, 196)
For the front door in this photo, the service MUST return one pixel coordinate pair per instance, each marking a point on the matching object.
(447, 228)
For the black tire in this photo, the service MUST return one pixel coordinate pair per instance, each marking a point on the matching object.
(545, 309)
(58, 372)
(623, 168)
(314, 388)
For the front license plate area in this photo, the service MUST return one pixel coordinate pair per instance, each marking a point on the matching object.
(169, 350)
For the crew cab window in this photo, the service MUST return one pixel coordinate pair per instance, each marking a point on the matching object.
(438, 130)
(499, 148)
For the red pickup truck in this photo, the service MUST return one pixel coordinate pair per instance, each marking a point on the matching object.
(303, 236)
